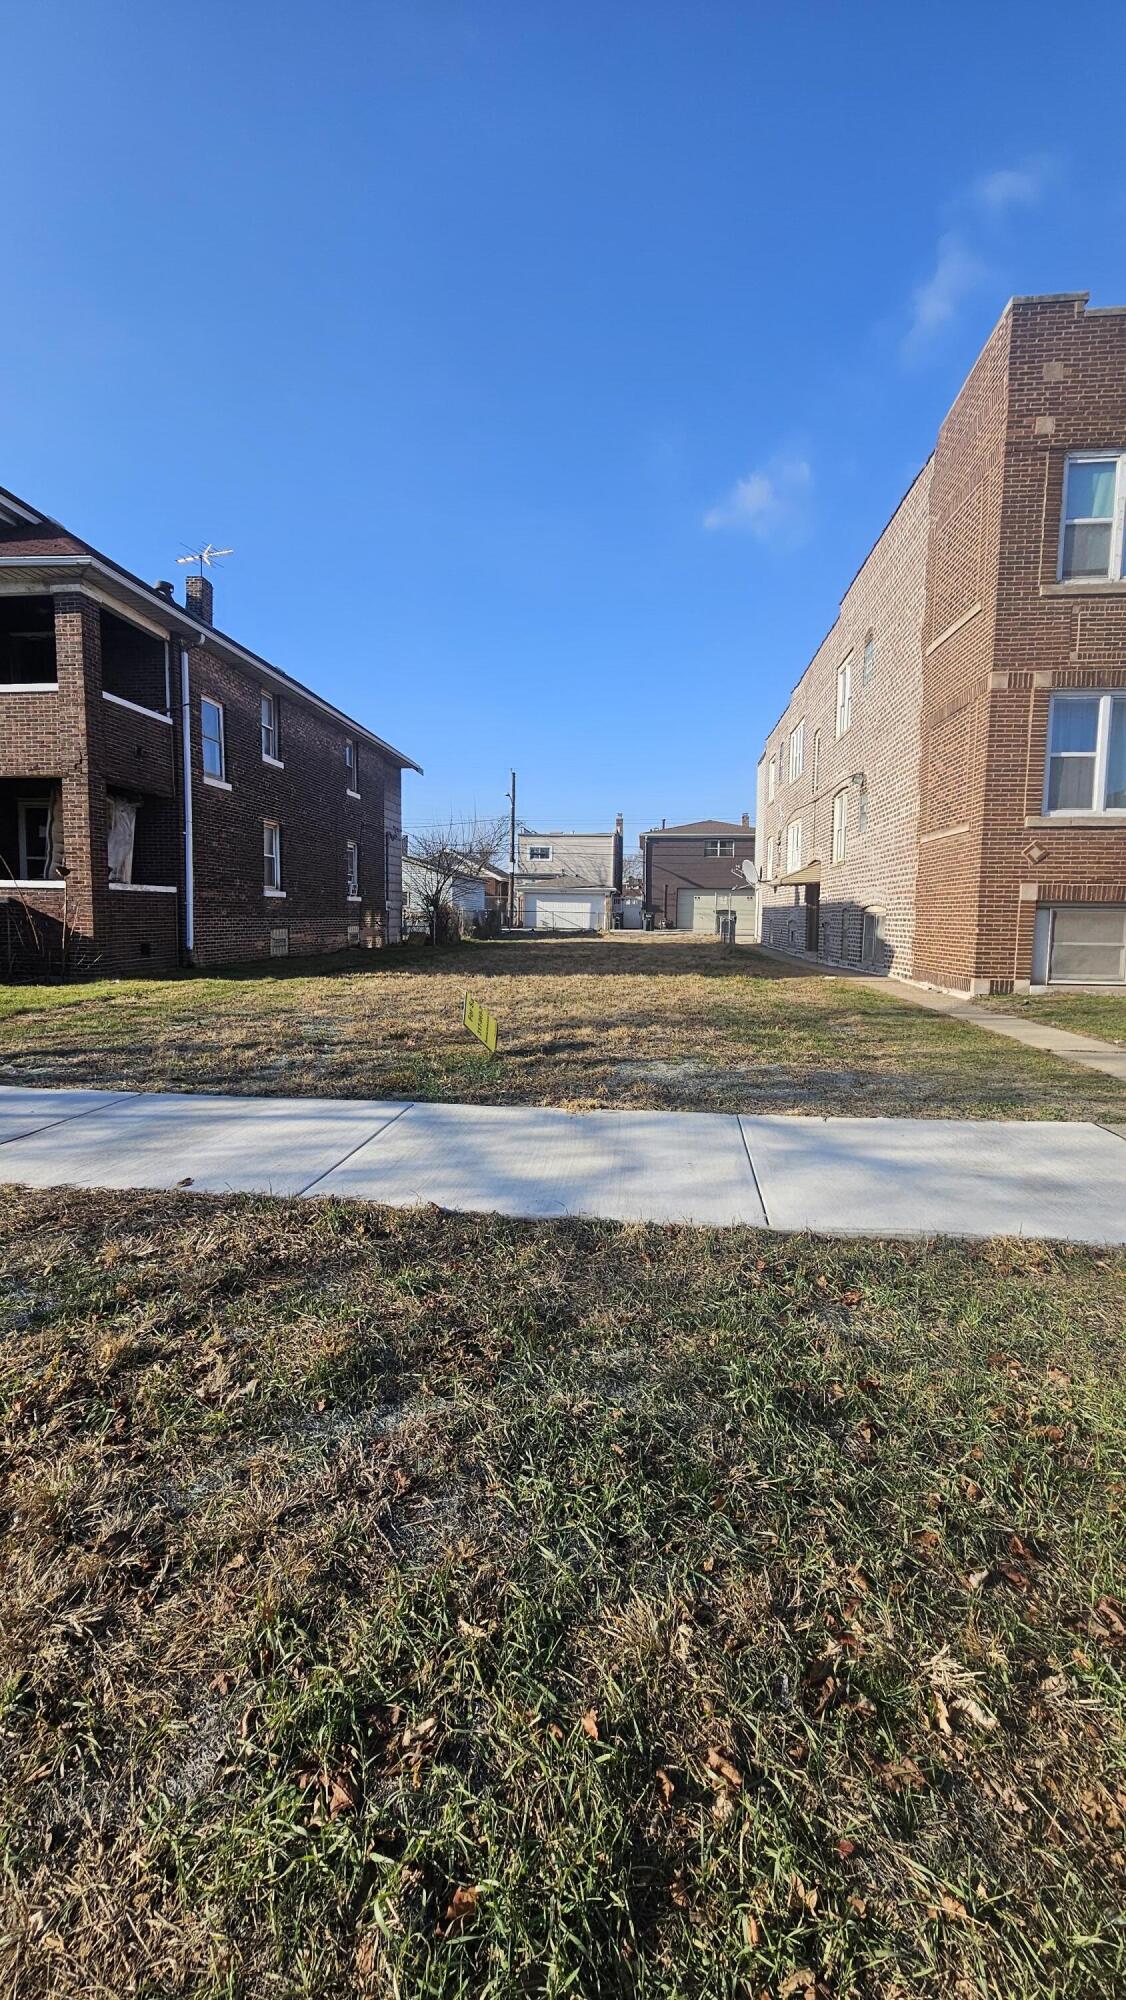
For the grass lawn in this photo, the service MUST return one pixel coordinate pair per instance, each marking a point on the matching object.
(402, 1604)
(649, 1021)
(1102, 1014)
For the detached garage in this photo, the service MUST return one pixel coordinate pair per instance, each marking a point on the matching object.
(559, 910)
(697, 909)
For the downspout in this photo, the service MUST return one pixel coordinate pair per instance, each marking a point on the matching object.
(189, 851)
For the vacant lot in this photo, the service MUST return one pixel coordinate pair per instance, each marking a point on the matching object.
(404, 1604)
(654, 1022)
(1102, 1014)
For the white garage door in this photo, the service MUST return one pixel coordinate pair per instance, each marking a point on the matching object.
(696, 910)
(564, 913)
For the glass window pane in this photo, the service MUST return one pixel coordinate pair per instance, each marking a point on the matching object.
(1071, 784)
(1116, 759)
(1090, 489)
(1087, 944)
(1086, 550)
(1075, 723)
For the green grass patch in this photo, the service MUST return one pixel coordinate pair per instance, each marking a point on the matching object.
(399, 1603)
(650, 1021)
(1100, 1014)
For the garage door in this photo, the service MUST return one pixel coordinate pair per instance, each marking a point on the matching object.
(696, 910)
(564, 913)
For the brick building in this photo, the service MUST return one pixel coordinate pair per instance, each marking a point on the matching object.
(167, 797)
(693, 872)
(945, 795)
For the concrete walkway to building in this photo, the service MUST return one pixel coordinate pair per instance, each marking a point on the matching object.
(838, 1176)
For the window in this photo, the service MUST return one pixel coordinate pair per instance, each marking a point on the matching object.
(868, 659)
(816, 758)
(872, 941)
(214, 741)
(840, 825)
(714, 848)
(271, 855)
(770, 859)
(352, 868)
(1086, 754)
(1094, 499)
(1087, 945)
(862, 810)
(771, 778)
(27, 642)
(269, 727)
(797, 751)
(793, 846)
(351, 764)
(844, 695)
(34, 834)
(539, 853)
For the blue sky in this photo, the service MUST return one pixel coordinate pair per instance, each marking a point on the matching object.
(549, 367)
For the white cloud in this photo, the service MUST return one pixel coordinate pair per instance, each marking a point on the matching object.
(771, 503)
(1010, 187)
(958, 271)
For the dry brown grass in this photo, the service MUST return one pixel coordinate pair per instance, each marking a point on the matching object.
(659, 1022)
(434, 1606)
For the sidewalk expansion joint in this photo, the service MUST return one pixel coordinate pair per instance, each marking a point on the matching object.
(376, 1133)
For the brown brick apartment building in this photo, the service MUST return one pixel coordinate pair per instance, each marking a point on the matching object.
(167, 797)
(945, 795)
(693, 871)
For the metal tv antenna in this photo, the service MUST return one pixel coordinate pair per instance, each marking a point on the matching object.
(205, 557)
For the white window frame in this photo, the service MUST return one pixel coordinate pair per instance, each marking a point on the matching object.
(1044, 948)
(1105, 697)
(23, 807)
(793, 846)
(272, 852)
(770, 859)
(839, 827)
(352, 869)
(540, 850)
(352, 766)
(797, 752)
(218, 777)
(843, 720)
(816, 772)
(268, 705)
(1117, 518)
(771, 780)
(716, 848)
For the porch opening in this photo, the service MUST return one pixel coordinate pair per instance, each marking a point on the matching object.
(27, 642)
(134, 663)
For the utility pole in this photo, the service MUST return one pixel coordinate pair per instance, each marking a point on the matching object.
(512, 855)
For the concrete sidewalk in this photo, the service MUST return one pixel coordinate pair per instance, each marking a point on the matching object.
(838, 1176)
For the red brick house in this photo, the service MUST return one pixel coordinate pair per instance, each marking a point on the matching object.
(167, 797)
(693, 872)
(945, 794)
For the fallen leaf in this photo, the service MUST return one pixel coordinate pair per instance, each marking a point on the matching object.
(588, 1723)
(462, 1904)
(725, 1768)
(941, 1713)
(952, 1906)
(967, 1706)
(751, 1930)
(665, 1785)
(845, 1847)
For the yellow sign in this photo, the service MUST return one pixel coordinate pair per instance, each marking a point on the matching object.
(480, 1022)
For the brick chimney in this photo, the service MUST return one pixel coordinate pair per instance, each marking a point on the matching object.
(200, 599)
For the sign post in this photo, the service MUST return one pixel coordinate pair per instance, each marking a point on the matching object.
(480, 1022)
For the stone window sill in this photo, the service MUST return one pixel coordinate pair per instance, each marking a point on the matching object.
(1104, 586)
(217, 784)
(1112, 822)
(275, 763)
(275, 893)
(350, 794)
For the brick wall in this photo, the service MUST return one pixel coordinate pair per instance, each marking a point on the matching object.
(309, 799)
(883, 605)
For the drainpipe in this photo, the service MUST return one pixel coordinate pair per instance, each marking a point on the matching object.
(189, 852)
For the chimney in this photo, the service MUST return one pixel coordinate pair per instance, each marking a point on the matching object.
(746, 819)
(200, 599)
(619, 824)
(164, 589)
